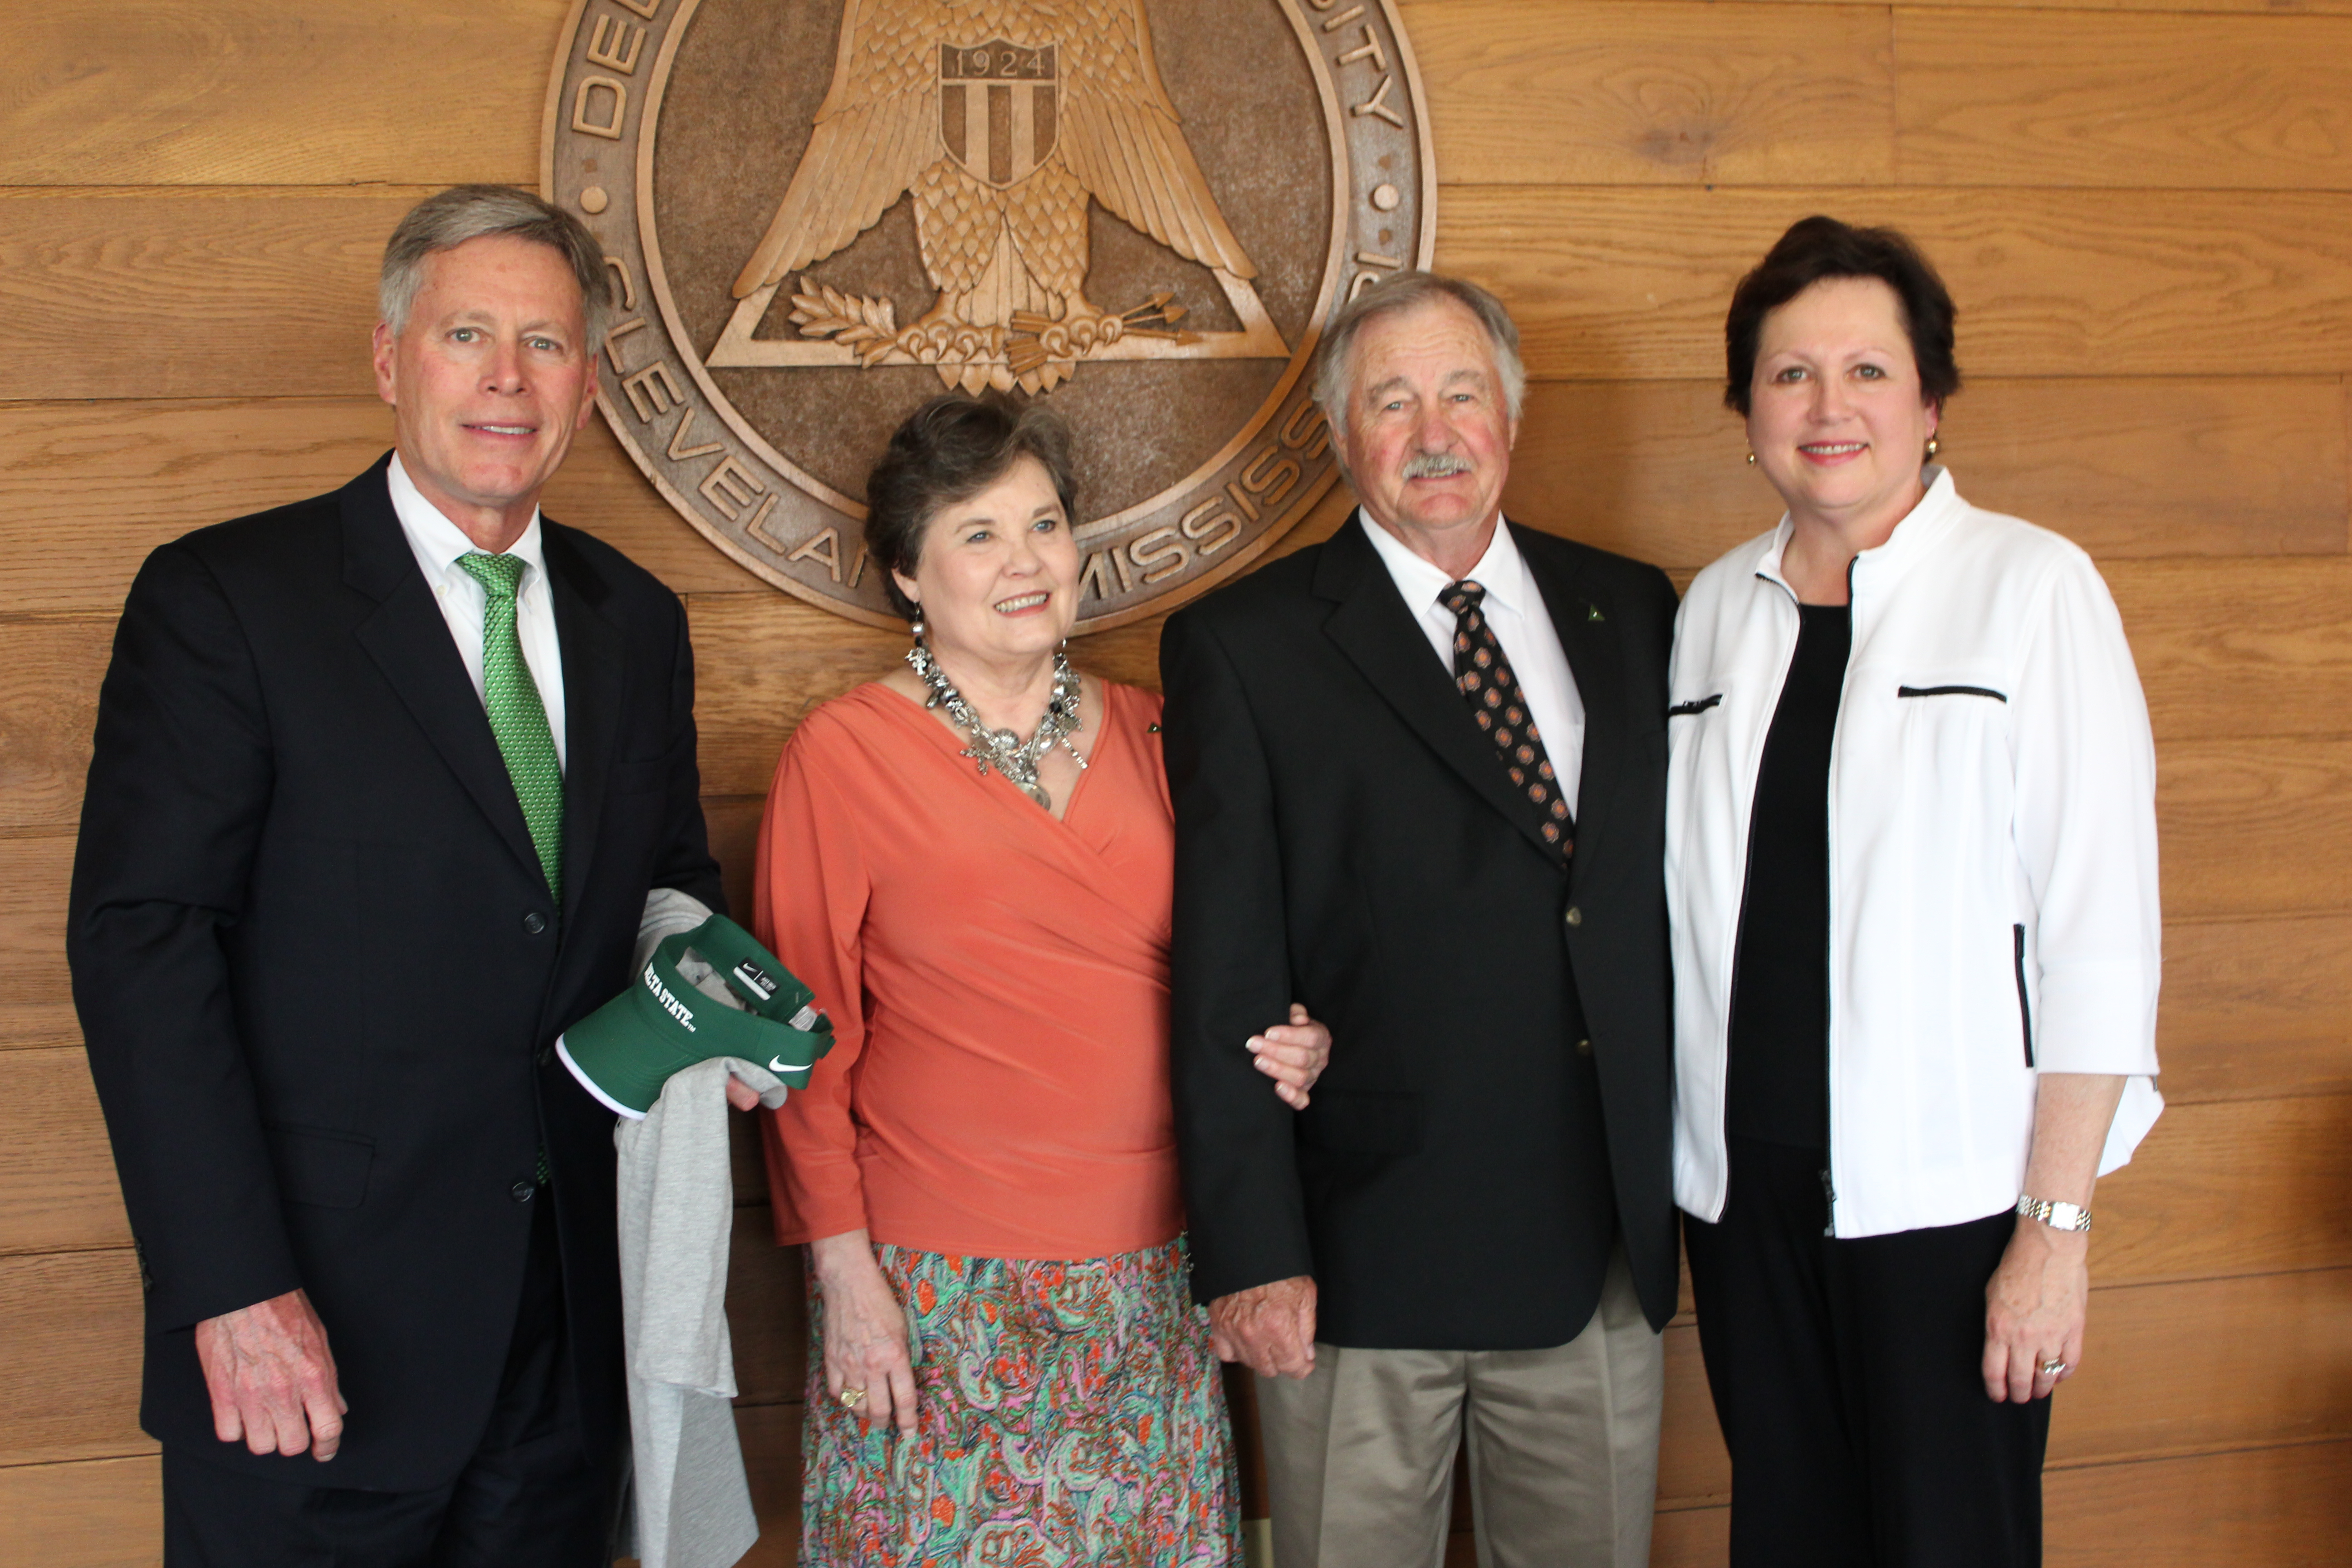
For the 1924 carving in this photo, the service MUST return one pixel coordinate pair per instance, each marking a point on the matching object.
(819, 215)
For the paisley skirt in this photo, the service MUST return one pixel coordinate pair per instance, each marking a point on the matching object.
(1067, 1415)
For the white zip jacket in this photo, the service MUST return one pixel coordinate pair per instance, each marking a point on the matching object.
(1993, 858)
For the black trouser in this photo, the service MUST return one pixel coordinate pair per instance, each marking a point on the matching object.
(1847, 1376)
(529, 1497)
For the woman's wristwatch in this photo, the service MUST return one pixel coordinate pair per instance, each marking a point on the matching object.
(2055, 1214)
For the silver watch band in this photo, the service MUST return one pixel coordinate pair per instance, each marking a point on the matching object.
(2055, 1214)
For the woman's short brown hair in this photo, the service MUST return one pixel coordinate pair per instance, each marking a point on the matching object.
(1816, 249)
(950, 449)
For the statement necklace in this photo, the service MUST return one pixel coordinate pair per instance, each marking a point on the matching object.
(1016, 758)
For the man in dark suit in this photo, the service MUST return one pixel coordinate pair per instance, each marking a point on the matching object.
(382, 782)
(1419, 774)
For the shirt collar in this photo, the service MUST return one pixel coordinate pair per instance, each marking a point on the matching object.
(1501, 570)
(435, 539)
(1915, 534)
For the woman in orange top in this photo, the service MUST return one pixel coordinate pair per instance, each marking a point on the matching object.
(1005, 1360)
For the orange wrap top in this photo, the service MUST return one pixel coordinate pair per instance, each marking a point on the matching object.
(998, 982)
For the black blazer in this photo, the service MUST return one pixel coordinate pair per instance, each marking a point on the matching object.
(320, 977)
(1347, 837)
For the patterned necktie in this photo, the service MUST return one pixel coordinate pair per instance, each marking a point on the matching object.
(1495, 701)
(517, 717)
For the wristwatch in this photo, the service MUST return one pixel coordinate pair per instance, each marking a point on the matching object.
(2055, 1214)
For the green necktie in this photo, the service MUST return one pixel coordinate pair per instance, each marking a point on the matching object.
(517, 717)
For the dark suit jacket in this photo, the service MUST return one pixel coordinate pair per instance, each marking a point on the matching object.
(320, 977)
(1347, 838)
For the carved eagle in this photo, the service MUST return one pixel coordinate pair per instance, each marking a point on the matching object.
(1000, 117)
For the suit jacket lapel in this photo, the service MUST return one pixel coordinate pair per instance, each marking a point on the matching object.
(1588, 636)
(593, 680)
(411, 645)
(1378, 633)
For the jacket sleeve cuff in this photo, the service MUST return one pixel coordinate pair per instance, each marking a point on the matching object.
(2097, 1017)
(1262, 1237)
(180, 1295)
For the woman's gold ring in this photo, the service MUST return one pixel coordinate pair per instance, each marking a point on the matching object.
(852, 1398)
(2053, 1368)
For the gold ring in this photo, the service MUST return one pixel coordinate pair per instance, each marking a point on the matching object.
(852, 1398)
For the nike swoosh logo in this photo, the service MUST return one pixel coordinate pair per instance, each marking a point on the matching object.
(778, 1064)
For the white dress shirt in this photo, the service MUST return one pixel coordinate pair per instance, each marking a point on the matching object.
(1515, 612)
(437, 544)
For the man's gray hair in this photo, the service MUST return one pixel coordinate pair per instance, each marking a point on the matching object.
(461, 213)
(1334, 365)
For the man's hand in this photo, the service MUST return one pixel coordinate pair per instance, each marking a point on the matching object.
(272, 1379)
(742, 1095)
(1268, 1327)
(1293, 1055)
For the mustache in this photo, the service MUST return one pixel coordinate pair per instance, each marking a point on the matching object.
(1435, 465)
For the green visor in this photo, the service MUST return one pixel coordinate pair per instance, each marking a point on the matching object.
(625, 1050)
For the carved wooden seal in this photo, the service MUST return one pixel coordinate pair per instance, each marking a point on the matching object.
(820, 214)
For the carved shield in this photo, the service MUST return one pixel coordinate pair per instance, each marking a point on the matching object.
(1000, 109)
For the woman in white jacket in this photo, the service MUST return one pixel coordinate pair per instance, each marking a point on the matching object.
(1911, 868)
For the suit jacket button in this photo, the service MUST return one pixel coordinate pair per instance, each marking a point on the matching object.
(522, 1192)
(1584, 1047)
(1575, 915)
(546, 1055)
(534, 922)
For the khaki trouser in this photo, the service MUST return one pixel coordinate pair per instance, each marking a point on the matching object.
(1563, 1449)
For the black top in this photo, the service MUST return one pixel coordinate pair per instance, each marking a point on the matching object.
(1780, 1085)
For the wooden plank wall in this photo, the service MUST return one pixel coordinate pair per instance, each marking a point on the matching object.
(2141, 205)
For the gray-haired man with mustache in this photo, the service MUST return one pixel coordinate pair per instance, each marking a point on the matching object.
(1419, 774)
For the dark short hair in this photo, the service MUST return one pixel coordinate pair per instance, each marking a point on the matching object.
(1335, 369)
(447, 220)
(950, 449)
(1816, 249)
